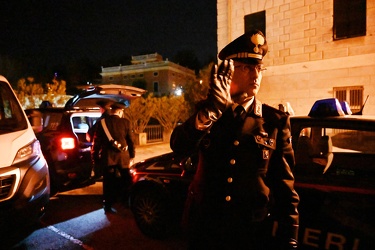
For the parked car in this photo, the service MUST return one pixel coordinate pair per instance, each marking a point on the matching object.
(158, 193)
(24, 179)
(62, 133)
(334, 176)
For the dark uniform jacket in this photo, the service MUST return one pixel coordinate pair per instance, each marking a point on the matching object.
(120, 130)
(92, 129)
(244, 171)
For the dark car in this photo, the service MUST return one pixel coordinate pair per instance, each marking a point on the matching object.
(334, 176)
(158, 193)
(62, 134)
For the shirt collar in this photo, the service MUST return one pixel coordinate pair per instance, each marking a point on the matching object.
(247, 104)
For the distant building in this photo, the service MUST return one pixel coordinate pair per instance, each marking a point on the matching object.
(162, 77)
(317, 49)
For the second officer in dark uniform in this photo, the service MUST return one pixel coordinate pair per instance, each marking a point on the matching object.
(104, 106)
(115, 161)
(244, 178)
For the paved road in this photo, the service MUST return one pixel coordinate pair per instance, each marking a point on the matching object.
(74, 222)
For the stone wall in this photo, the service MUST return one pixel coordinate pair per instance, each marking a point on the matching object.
(304, 62)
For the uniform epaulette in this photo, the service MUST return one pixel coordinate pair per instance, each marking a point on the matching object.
(278, 111)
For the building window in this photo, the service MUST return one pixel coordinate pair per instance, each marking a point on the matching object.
(111, 78)
(156, 87)
(352, 95)
(141, 75)
(125, 77)
(133, 76)
(156, 73)
(349, 18)
(256, 21)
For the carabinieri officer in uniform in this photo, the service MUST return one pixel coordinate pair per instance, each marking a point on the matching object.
(114, 160)
(244, 177)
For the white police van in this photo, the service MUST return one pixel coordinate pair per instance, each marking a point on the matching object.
(335, 177)
(24, 179)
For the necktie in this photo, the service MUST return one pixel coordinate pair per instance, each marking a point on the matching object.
(239, 113)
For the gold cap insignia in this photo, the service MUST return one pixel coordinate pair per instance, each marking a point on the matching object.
(257, 40)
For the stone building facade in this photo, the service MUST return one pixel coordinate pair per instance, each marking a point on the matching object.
(162, 77)
(309, 55)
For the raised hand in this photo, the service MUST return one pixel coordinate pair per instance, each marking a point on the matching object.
(219, 99)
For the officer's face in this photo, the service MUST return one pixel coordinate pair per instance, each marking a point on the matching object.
(246, 79)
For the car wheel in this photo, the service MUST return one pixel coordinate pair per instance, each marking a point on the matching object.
(151, 214)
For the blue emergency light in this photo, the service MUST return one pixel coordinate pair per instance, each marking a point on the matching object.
(330, 107)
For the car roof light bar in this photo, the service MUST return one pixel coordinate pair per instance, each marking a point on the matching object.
(326, 107)
(346, 108)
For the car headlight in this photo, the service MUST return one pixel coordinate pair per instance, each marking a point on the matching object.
(27, 152)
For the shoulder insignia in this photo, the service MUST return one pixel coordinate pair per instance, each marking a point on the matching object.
(258, 108)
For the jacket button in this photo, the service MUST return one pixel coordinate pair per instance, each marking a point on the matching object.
(230, 180)
(232, 162)
(236, 143)
(228, 198)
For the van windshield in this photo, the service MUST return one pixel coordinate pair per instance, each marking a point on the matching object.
(11, 114)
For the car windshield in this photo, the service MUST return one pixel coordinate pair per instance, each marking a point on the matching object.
(11, 114)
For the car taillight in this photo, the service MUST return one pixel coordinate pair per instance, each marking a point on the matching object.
(67, 143)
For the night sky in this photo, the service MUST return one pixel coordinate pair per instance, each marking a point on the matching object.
(60, 31)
